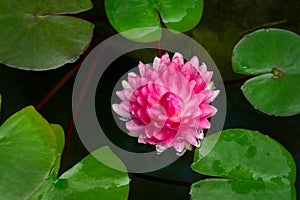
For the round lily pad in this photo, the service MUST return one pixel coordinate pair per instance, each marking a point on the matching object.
(273, 56)
(28, 149)
(35, 36)
(245, 165)
(142, 19)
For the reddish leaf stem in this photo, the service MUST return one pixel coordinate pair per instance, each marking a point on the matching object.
(77, 106)
(159, 51)
(57, 87)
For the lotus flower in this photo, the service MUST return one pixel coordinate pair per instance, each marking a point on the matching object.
(168, 104)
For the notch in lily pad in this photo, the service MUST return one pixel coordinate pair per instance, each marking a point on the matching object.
(142, 20)
(272, 56)
(276, 72)
(36, 35)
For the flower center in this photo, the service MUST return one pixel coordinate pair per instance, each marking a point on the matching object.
(172, 104)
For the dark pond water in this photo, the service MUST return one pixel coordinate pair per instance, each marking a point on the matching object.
(223, 24)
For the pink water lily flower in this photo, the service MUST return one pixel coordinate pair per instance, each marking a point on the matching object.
(168, 104)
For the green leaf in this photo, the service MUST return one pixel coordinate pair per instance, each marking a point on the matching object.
(35, 36)
(28, 149)
(105, 155)
(250, 166)
(89, 179)
(212, 189)
(273, 55)
(30, 153)
(144, 17)
(53, 172)
(60, 138)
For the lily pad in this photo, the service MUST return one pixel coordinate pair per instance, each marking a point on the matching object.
(36, 36)
(28, 148)
(89, 179)
(144, 18)
(30, 153)
(246, 165)
(272, 55)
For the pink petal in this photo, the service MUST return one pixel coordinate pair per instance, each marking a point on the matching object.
(142, 68)
(133, 82)
(179, 145)
(145, 91)
(160, 148)
(142, 101)
(194, 61)
(150, 72)
(165, 58)
(152, 140)
(125, 105)
(152, 99)
(149, 131)
(202, 68)
(121, 95)
(142, 139)
(180, 87)
(215, 94)
(204, 123)
(120, 111)
(172, 103)
(143, 80)
(189, 71)
(201, 98)
(127, 93)
(156, 63)
(208, 77)
(133, 127)
(190, 105)
(174, 66)
(133, 134)
(168, 136)
(178, 59)
(143, 116)
(190, 138)
(192, 84)
(208, 95)
(207, 110)
(157, 112)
